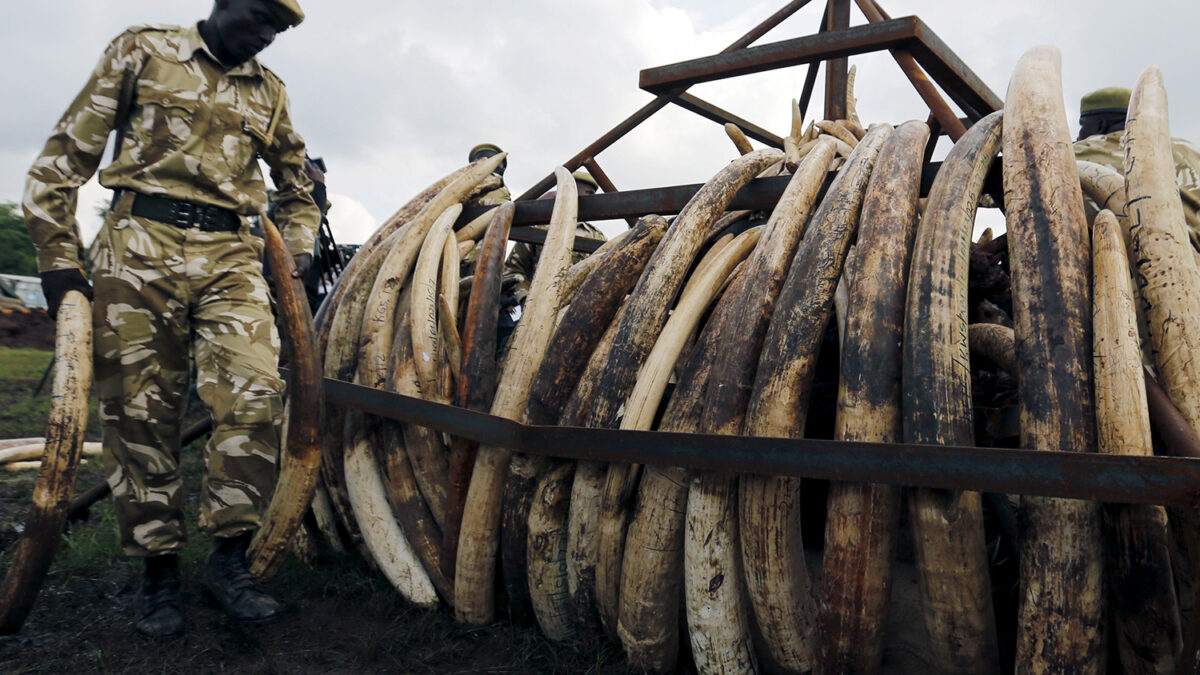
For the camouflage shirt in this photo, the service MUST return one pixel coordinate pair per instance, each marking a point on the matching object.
(195, 132)
(1106, 149)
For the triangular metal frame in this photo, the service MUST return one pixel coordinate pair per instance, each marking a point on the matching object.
(921, 55)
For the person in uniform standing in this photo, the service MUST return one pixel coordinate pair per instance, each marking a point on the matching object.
(1101, 126)
(176, 273)
(466, 266)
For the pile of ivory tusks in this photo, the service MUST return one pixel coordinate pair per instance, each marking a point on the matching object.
(735, 323)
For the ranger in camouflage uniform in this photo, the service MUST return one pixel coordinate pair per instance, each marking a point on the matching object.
(1101, 126)
(495, 197)
(176, 270)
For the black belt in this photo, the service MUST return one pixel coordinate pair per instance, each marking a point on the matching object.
(183, 214)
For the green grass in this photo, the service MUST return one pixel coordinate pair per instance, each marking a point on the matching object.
(22, 414)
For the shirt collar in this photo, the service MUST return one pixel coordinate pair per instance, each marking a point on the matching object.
(191, 42)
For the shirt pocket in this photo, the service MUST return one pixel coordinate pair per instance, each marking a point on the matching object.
(253, 119)
(168, 97)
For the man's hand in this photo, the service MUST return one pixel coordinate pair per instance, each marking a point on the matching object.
(56, 283)
(303, 265)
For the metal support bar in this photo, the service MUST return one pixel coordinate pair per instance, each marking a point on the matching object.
(961, 84)
(537, 235)
(937, 105)
(761, 194)
(604, 181)
(906, 33)
(855, 40)
(641, 115)
(615, 134)
(1073, 475)
(721, 116)
(837, 18)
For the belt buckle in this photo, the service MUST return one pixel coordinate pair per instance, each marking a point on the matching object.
(207, 219)
(183, 214)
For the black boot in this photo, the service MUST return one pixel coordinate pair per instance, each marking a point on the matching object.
(159, 607)
(235, 589)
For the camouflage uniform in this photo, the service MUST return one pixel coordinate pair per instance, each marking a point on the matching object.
(523, 260)
(1106, 149)
(495, 197)
(195, 133)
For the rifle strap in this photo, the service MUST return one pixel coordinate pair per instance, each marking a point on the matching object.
(275, 114)
(124, 105)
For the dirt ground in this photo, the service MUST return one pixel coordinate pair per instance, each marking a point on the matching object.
(27, 329)
(342, 618)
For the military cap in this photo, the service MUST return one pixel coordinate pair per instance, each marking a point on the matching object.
(1106, 100)
(289, 11)
(586, 177)
(482, 147)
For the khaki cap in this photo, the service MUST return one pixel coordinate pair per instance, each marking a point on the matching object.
(1106, 100)
(586, 177)
(289, 11)
(482, 147)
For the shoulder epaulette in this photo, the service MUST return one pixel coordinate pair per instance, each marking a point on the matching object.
(155, 27)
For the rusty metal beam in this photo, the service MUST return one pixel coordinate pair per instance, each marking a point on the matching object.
(537, 235)
(612, 136)
(959, 82)
(946, 117)
(1168, 481)
(855, 40)
(604, 181)
(837, 18)
(642, 114)
(720, 116)
(761, 194)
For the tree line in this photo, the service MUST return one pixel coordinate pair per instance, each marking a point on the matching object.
(17, 255)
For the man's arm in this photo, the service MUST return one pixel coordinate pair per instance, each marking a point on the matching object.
(296, 213)
(71, 155)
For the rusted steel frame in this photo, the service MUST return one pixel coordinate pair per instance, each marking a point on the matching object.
(615, 134)
(837, 18)
(935, 133)
(810, 81)
(770, 22)
(721, 116)
(760, 194)
(642, 114)
(946, 117)
(600, 175)
(1168, 481)
(961, 84)
(823, 46)
(604, 181)
(538, 236)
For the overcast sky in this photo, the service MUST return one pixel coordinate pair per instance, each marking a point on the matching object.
(393, 94)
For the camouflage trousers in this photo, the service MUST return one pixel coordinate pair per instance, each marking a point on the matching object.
(164, 295)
